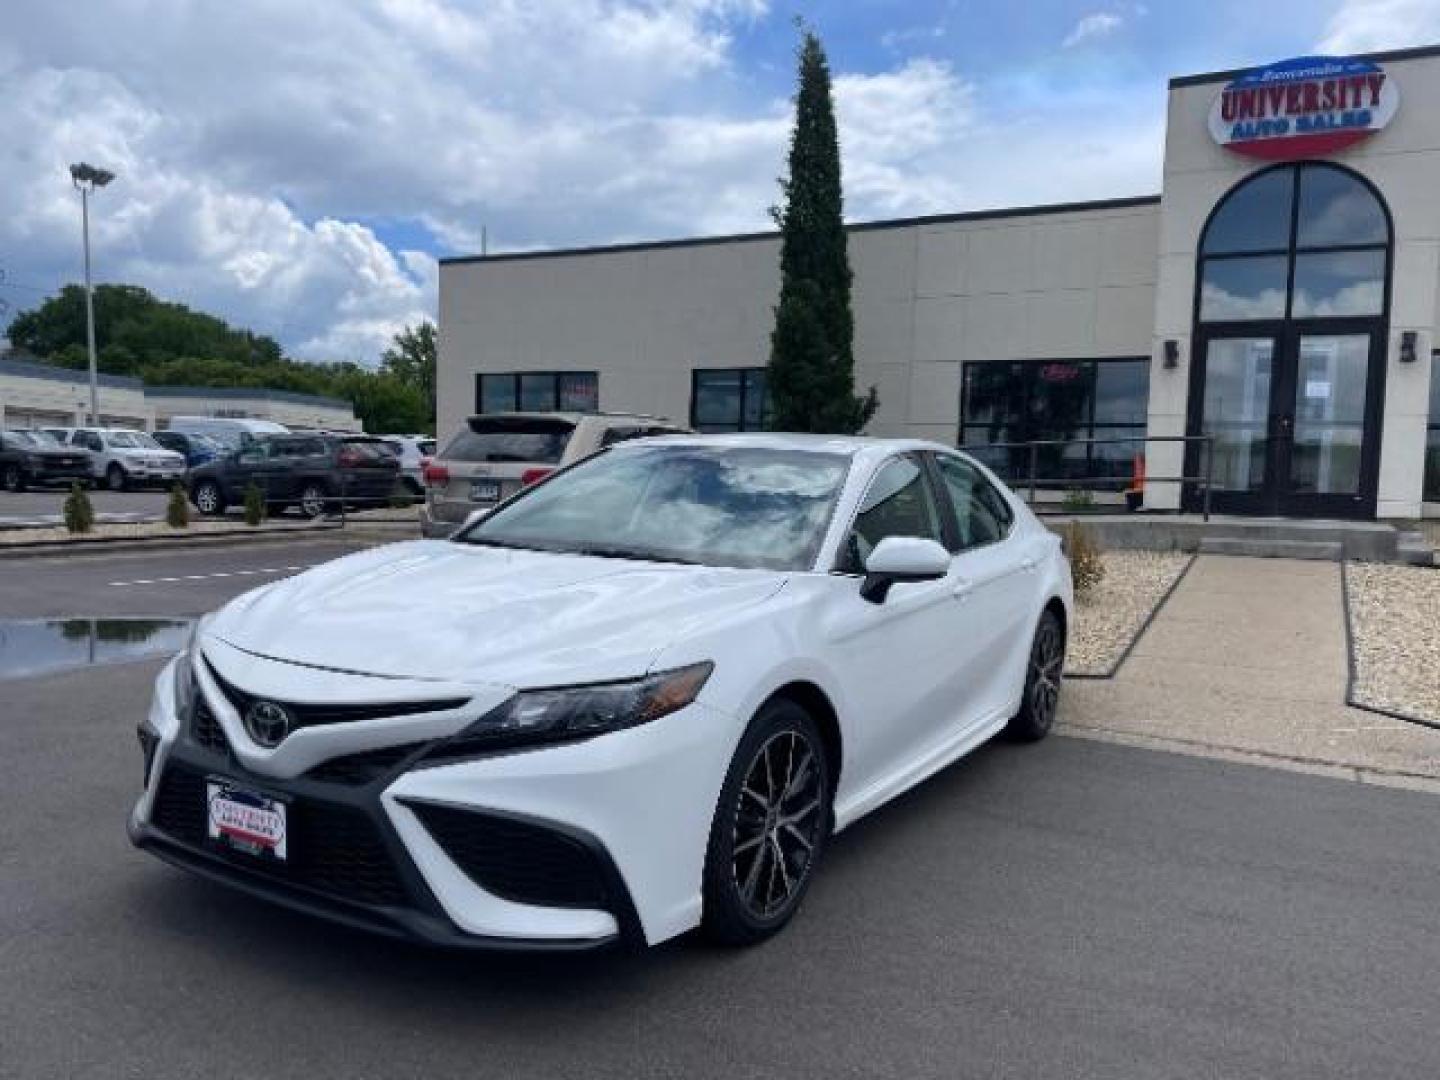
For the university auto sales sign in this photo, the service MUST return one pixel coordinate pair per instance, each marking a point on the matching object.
(1306, 107)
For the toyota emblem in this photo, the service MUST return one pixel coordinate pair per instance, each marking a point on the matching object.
(268, 723)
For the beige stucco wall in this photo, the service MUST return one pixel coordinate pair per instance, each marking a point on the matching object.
(929, 296)
(26, 402)
(1403, 162)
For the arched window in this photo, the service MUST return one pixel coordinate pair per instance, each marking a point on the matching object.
(1306, 241)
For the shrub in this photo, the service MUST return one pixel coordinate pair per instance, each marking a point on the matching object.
(254, 504)
(177, 510)
(1086, 567)
(79, 514)
(1078, 499)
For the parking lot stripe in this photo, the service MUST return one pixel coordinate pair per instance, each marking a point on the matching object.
(207, 577)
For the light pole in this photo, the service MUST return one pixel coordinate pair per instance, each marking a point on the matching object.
(86, 179)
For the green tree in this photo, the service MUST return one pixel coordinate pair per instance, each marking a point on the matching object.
(411, 359)
(79, 514)
(811, 378)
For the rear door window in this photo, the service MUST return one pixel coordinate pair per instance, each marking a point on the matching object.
(541, 441)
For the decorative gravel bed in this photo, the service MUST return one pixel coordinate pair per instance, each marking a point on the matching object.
(1395, 638)
(1112, 616)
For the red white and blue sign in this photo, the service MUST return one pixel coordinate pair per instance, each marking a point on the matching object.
(1306, 107)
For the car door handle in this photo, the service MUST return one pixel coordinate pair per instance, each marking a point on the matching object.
(962, 588)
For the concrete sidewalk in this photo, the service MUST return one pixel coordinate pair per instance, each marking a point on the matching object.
(1248, 657)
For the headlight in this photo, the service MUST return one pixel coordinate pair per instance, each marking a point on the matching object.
(575, 712)
(185, 673)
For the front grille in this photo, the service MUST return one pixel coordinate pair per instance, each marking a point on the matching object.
(308, 715)
(517, 860)
(205, 728)
(363, 767)
(333, 849)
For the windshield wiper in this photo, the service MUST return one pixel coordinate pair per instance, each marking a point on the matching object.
(485, 541)
(607, 551)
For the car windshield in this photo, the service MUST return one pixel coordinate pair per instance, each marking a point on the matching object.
(710, 505)
(132, 440)
(537, 440)
(42, 439)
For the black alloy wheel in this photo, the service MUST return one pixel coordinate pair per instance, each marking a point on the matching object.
(770, 828)
(1044, 673)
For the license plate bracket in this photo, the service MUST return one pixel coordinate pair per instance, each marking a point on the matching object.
(484, 490)
(238, 818)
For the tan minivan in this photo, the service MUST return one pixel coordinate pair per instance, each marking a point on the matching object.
(497, 454)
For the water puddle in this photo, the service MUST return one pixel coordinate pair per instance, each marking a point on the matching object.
(30, 647)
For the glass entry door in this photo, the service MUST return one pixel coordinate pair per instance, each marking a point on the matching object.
(1293, 410)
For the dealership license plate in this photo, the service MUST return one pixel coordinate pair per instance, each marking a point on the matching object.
(246, 821)
(485, 491)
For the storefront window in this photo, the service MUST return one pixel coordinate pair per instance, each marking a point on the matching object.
(538, 391)
(729, 399)
(1432, 435)
(1069, 401)
(1300, 241)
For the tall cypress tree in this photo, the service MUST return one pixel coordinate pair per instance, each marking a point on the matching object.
(811, 376)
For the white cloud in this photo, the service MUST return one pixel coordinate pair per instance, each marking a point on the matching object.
(1097, 24)
(286, 164)
(1370, 25)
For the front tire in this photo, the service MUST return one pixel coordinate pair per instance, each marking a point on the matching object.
(1044, 671)
(770, 827)
(208, 498)
(14, 479)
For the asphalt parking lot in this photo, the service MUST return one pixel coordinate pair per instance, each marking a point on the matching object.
(44, 505)
(1072, 909)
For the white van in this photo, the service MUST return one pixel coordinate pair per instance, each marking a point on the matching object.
(231, 431)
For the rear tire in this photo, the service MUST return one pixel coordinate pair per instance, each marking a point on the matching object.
(1044, 672)
(770, 827)
(312, 501)
(208, 498)
(14, 478)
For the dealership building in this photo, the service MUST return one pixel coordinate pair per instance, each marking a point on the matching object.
(1273, 311)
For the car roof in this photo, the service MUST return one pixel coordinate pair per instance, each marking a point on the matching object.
(572, 417)
(849, 445)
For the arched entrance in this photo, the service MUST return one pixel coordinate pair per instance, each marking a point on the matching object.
(1292, 301)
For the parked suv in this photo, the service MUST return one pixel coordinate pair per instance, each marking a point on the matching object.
(196, 449)
(36, 458)
(311, 472)
(413, 452)
(497, 454)
(121, 458)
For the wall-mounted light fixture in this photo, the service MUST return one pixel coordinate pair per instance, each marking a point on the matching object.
(1172, 354)
(1408, 341)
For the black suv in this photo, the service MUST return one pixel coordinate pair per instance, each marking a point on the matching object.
(311, 472)
(35, 458)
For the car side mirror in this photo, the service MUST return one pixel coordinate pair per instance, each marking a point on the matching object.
(902, 559)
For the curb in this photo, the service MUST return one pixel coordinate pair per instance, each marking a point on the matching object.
(1114, 668)
(107, 544)
(1334, 770)
(1350, 675)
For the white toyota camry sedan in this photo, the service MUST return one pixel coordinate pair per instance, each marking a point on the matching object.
(636, 698)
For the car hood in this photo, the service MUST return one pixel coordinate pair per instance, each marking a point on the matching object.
(436, 609)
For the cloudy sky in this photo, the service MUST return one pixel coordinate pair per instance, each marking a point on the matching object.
(297, 166)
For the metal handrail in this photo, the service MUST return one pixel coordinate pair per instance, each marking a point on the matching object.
(1032, 480)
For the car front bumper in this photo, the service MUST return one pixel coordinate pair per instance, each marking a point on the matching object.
(568, 847)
